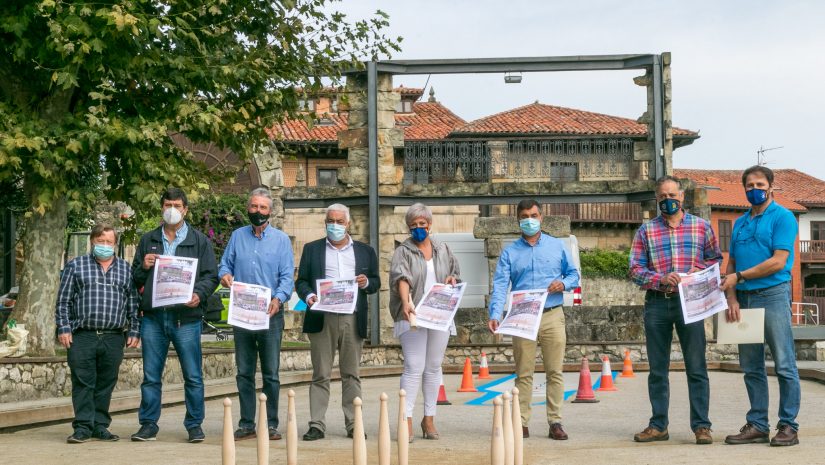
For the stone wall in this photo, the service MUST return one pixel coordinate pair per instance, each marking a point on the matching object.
(608, 292)
(44, 378)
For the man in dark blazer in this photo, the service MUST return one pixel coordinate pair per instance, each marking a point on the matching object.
(333, 257)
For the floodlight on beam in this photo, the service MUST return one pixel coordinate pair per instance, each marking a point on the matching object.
(512, 78)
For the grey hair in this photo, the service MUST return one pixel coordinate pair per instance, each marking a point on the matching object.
(261, 192)
(418, 210)
(338, 207)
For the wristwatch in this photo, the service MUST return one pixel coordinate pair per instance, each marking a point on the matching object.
(739, 278)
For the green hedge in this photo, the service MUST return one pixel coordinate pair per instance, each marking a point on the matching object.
(217, 215)
(598, 263)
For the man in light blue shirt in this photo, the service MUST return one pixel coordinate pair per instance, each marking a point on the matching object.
(259, 254)
(536, 261)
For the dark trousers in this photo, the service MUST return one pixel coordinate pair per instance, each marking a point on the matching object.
(94, 360)
(249, 346)
(662, 315)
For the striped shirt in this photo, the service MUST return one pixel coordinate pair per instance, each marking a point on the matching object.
(659, 249)
(90, 299)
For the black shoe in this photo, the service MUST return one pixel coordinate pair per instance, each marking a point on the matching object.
(349, 434)
(313, 434)
(103, 434)
(245, 433)
(196, 434)
(147, 432)
(79, 436)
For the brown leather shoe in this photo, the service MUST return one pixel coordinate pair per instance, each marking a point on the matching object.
(557, 432)
(703, 436)
(785, 436)
(748, 434)
(651, 434)
(525, 432)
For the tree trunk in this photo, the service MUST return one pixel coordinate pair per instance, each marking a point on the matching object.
(40, 276)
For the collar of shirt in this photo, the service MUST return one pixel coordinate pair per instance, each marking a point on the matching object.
(263, 233)
(180, 235)
(528, 244)
(346, 246)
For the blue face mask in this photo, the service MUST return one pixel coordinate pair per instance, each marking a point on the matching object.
(418, 234)
(336, 232)
(670, 206)
(529, 226)
(757, 196)
(103, 252)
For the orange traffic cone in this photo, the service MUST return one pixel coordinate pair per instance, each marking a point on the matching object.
(442, 396)
(627, 369)
(483, 369)
(607, 376)
(467, 377)
(585, 392)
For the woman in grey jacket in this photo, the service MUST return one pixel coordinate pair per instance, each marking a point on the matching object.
(418, 263)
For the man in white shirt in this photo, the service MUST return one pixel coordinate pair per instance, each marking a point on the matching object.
(333, 257)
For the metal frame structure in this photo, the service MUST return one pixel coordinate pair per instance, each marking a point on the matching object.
(499, 65)
(650, 62)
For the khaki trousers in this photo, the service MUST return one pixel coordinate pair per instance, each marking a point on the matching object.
(552, 338)
(339, 333)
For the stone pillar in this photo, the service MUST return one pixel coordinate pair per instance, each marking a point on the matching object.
(644, 151)
(355, 139)
(268, 159)
(495, 229)
(667, 114)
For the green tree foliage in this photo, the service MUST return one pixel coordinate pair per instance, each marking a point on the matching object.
(93, 86)
(217, 215)
(600, 263)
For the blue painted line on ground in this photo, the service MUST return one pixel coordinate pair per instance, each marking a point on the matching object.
(489, 394)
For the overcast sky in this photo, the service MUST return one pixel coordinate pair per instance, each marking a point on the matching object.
(745, 73)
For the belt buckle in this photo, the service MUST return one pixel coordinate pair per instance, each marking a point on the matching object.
(99, 332)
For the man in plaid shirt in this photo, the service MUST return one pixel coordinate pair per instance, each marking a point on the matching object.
(672, 243)
(96, 305)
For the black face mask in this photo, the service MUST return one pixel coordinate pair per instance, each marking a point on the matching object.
(257, 218)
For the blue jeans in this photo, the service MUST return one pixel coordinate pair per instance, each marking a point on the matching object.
(776, 301)
(661, 315)
(249, 345)
(156, 331)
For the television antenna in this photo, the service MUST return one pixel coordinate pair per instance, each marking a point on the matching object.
(760, 154)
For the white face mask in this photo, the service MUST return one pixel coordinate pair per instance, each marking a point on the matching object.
(172, 216)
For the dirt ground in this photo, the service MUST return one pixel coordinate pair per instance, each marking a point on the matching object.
(599, 433)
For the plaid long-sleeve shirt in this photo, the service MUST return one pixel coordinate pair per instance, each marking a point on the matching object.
(659, 249)
(91, 299)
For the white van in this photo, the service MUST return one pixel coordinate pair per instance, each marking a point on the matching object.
(475, 269)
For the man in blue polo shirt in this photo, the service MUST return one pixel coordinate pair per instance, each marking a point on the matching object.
(536, 261)
(758, 276)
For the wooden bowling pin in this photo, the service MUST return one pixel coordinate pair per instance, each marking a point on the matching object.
(262, 431)
(228, 444)
(507, 429)
(359, 442)
(497, 437)
(518, 433)
(383, 432)
(403, 431)
(291, 430)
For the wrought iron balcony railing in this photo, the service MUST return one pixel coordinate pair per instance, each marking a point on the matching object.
(518, 161)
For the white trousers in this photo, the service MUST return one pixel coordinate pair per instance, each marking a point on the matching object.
(423, 351)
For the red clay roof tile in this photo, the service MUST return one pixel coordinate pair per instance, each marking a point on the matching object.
(538, 118)
(793, 184)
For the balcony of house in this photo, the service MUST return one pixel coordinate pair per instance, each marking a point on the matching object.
(554, 160)
(812, 251)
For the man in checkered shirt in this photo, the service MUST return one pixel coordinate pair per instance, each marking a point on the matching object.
(96, 307)
(672, 243)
